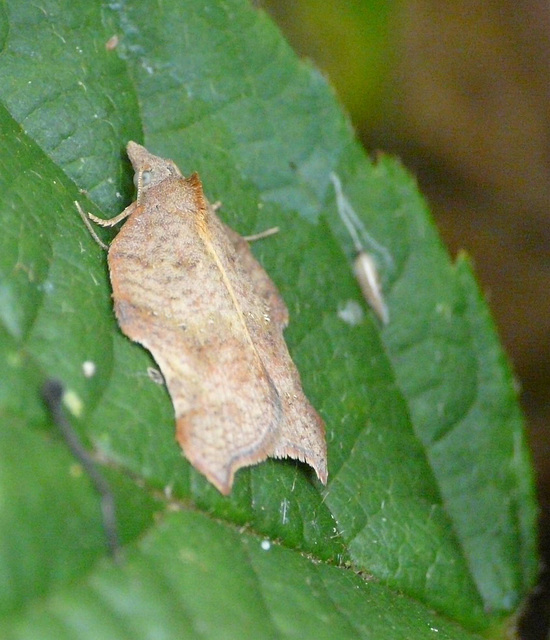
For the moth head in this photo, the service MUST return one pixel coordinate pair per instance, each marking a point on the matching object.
(149, 169)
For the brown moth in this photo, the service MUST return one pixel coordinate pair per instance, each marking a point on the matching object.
(188, 288)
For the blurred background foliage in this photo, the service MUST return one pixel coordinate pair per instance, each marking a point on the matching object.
(460, 91)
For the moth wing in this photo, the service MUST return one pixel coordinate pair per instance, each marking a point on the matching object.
(170, 298)
(302, 432)
(262, 284)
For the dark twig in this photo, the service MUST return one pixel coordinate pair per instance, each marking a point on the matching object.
(52, 393)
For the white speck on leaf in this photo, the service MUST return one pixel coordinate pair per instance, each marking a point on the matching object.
(351, 312)
(88, 369)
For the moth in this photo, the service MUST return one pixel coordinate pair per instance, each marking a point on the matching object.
(187, 288)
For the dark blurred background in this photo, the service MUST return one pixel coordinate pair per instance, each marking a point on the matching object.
(460, 91)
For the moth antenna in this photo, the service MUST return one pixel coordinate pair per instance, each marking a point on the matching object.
(91, 230)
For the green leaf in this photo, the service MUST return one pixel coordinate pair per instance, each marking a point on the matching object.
(428, 521)
(196, 578)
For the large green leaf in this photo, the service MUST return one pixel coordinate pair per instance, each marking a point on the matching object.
(428, 519)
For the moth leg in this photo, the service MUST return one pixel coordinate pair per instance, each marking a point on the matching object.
(216, 206)
(112, 221)
(262, 234)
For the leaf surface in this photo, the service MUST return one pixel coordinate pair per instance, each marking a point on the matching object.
(428, 519)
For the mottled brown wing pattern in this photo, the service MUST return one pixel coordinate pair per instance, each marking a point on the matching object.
(188, 289)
